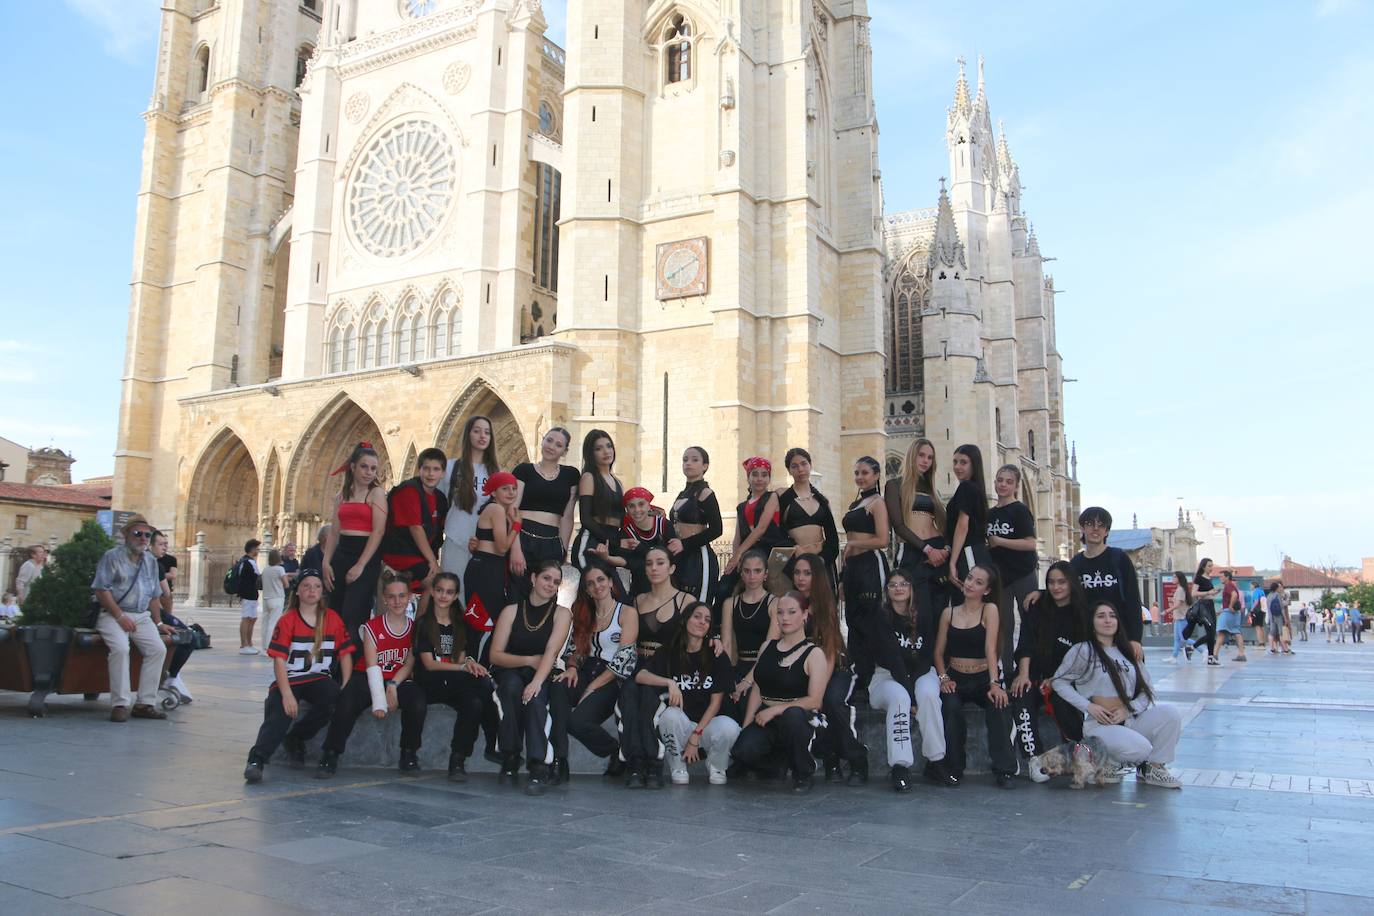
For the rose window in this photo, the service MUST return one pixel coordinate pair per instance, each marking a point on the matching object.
(402, 188)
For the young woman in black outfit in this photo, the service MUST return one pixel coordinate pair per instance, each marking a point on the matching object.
(839, 739)
(917, 518)
(902, 643)
(447, 674)
(865, 568)
(660, 613)
(1049, 629)
(696, 520)
(1203, 591)
(527, 641)
(586, 694)
(806, 517)
(1012, 547)
(600, 497)
(966, 515)
(757, 524)
(781, 713)
(488, 583)
(966, 662)
(748, 620)
(545, 496)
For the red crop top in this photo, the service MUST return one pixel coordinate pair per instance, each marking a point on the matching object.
(355, 516)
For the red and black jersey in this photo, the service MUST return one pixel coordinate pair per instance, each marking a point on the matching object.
(409, 503)
(294, 641)
(393, 649)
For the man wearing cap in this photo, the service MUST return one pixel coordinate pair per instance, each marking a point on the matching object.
(128, 587)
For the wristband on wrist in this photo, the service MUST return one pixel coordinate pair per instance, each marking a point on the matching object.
(515, 528)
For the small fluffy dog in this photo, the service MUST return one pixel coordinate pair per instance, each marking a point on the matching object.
(1086, 762)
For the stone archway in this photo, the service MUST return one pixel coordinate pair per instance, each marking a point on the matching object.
(326, 444)
(222, 499)
(480, 398)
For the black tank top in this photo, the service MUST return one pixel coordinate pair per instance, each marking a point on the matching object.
(654, 634)
(923, 503)
(858, 520)
(532, 628)
(970, 643)
(751, 622)
(772, 536)
(778, 682)
(542, 494)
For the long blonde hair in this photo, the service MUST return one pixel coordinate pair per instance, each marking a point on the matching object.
(1026, 497)
(913, 483)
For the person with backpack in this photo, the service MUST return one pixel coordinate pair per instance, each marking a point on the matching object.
(243, 581)
(416, 510)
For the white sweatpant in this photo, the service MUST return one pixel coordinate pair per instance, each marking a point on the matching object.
(886, 695)
(928, 716)
(1151, 737)
(674, 728)
(150, 646)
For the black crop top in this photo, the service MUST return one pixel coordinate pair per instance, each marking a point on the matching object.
(526, 641)
(748, 511)
(923, 503)
(542, 494)
(970, 643)
(654, 634)
(697, 511)
(784, 683)
(751, 623)
(592, 509)
(858, 520)
(794, 516)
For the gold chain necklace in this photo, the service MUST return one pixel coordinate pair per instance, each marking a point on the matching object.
(525, 616)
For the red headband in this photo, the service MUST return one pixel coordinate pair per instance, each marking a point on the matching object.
(637, 493)
(498, 480)
(758, 461)
(343, 467)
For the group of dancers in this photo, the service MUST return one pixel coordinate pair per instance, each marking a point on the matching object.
(756, 669)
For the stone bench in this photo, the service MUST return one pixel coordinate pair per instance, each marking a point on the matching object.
(376, 743)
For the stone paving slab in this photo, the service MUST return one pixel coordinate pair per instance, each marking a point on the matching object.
(153, 817)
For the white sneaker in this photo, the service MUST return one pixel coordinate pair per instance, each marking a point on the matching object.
(1157, 774)
(178, 686)
(679, 776)
(716, 775)
(248, 650)
(1036, 771)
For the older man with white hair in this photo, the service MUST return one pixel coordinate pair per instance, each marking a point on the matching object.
(128, 587)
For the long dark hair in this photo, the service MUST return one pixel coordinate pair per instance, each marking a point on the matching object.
(584, 608)
(1078, 611)
(978, 514)
(994, 595)
(1181, 578)
(825, 617)
(359, 451)
(913, 606)
(463, 488)
(752, 553)
(430, 621)
(1201, 569)
(678, 657)
(603, 500)
(1122, 644)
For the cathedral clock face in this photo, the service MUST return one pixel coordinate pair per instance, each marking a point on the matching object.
(682, 268)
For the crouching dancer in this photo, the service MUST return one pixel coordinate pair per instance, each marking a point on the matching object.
(387, 642)
(448, 675)
(1102, 678)
(306, 642)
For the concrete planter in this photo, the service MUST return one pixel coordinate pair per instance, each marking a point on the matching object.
(46, 648)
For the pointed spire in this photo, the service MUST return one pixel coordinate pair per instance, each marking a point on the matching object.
(982, 94)
(1074, 460)
(1032, 243)
(962, 105)
(1004, 160)
(945, 247)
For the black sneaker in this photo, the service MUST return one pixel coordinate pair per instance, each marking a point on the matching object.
(457, 768)
(1006, 781)
(329, 765)
(615, 768)
(935, 772)
(832, 770)
(652, 775)
(858, 774)
(253, 772)
(801, 785)
(634, 777)
(558, 773)
(537, 781)
(901, 778)
(295, 752)
(510, 772)
(1188, 651)
(410, 763)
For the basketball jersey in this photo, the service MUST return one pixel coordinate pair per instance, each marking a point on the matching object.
(294, 640)
(393, 649)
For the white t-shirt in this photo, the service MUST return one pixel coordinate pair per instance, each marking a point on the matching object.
(274, 582)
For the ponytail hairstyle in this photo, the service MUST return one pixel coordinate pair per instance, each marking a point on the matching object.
(1122, 643)
(825, 617)
(584, 608)
(462, 491)
(360, 451)
(321, 609)
(1078, 611)
(430, 621)
(979, 514)
(914, 482)
(872, 463)
(1026, 498)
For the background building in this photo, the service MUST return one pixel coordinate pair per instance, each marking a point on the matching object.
(970, 326)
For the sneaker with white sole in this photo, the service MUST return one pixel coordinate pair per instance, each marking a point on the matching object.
(248, 650)
(1036, 771)
(178, 686)
(716, 775)
(1157, 774)
(1111, 776)
(679, 776)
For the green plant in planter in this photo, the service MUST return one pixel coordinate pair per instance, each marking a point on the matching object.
(62, 596)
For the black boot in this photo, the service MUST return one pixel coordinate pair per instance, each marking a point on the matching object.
(858, 773)
(832, 770)
(901, 778)
(801, 785)
(510, 771)
(410, 763)
(935, 772)
(253, 772)
(295, 752)
(634, 775)
(1006, 781)
(329, 765)
(615, 767)
(457, 767)
(652, 774)
(538, 779)
(558, 773)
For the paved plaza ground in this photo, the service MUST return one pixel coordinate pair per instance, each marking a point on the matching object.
(1276, 816)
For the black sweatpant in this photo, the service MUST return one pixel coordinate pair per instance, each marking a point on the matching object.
(465, 695)
(973, 688)
(1025, 715)
(636, 707)
(784, 741)
(840, 735)
(530, 720)
(356, 698)
(581, 713)
(317, 699)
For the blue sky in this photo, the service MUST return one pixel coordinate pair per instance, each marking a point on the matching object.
(1202, 172)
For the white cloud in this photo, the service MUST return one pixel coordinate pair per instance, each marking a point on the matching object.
(127, 26)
